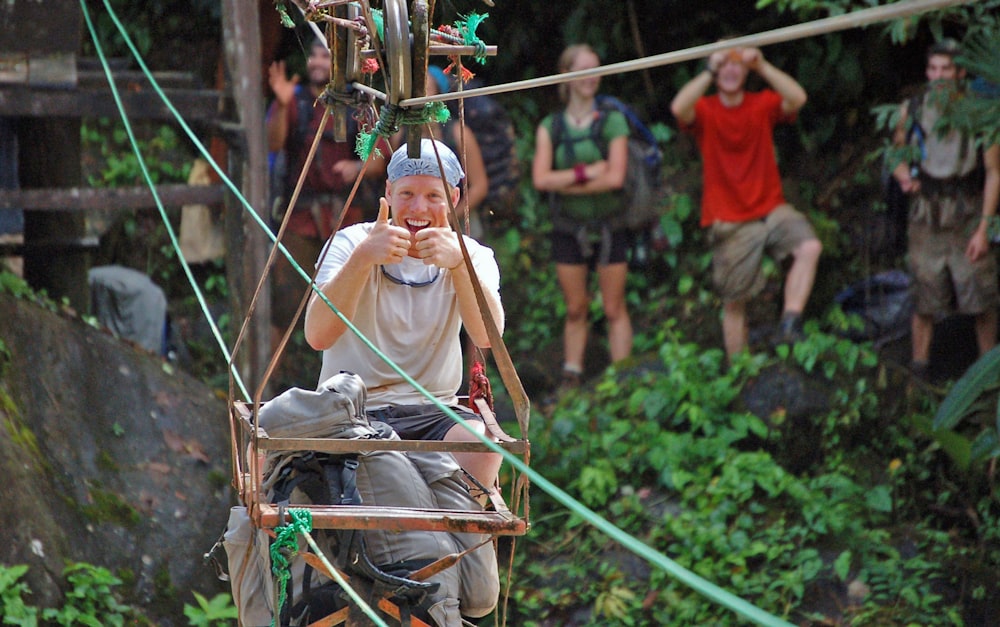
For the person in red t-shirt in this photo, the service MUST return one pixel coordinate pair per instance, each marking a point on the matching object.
(742, 202)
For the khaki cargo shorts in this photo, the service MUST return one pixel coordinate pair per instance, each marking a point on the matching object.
(738, 249)
(944, 280)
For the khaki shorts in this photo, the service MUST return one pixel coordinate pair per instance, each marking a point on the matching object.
(738, 249)
(944, 280)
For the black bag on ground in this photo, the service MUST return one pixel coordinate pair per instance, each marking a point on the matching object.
(883, 302)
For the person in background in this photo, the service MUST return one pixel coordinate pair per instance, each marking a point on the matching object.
(404, 284)
(584, 175)
(328, 182)
(743, 204)
(465, 144)
(954, 190)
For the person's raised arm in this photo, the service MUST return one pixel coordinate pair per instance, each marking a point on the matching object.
(384, 244)
(284, 94)
(468, 307)
(901, 172)
(793, 97)
(682, 106)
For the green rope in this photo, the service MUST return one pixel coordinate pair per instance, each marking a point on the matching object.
(467, 27)
(283, 549)
(391, 118)
(286, 19)
(379, 20)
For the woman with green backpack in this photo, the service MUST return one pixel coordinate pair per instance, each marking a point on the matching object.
(585, 183)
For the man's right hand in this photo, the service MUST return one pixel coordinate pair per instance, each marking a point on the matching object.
(281, 85)
(386, 243)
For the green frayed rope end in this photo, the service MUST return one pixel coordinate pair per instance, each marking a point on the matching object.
(379, 20)
(286, 20)
(467, 26)
(284, 548)
(364, 145)
(436, 112)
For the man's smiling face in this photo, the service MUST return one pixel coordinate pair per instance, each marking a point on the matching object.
(419, 202)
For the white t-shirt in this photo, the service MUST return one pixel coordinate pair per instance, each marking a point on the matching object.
(409, 312)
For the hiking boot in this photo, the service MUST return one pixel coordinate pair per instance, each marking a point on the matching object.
(789, 330)
(920, 376)
(570, 380)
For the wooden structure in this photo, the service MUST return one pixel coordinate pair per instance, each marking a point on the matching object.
(45, 91)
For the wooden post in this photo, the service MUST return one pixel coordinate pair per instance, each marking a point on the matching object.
(50, 157)
(36, 50)
(246, 244)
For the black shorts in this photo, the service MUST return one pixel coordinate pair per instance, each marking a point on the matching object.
(420, 422)
(567, 248)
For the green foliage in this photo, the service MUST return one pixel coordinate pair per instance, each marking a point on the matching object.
(92, 599)
(215, 613)
(151, 24)
(666, 453)
(12, 593)
(166, 158)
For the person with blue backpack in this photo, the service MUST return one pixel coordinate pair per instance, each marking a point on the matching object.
(743, 204)
(954, 188)
(584, 173)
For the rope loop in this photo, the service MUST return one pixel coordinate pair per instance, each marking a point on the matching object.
(393, 117)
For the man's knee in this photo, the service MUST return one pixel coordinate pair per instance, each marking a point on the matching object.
(459, 433)
(809, 250)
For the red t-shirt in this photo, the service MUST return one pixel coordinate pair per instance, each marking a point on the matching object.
(739, 169)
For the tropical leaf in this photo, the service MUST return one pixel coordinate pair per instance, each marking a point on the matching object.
(980, 377)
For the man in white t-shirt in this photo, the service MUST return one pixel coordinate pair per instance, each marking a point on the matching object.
(404, 284)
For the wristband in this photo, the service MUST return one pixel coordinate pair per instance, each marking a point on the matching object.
(580, 172)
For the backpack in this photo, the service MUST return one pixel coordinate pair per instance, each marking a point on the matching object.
(494, 130)
(642, 177)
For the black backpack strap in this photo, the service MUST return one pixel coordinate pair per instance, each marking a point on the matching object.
(913, 107)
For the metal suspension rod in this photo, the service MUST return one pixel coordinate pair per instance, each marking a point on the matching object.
(822, 26)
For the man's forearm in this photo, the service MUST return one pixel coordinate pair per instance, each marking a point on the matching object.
(792, 94)
(322, 326)
(683, 103)
(468, 307)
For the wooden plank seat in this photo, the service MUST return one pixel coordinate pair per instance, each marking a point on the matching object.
(496, 519)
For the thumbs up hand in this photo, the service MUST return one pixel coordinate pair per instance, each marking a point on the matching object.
(383, 211)
(386, 243)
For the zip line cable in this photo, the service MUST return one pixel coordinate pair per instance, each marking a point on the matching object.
(855, 19)
(692, 580)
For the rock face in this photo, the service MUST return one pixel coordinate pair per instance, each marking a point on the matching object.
(110, 457)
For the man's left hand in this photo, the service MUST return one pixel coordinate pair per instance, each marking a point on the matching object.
(438, 246)
(978, 245)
